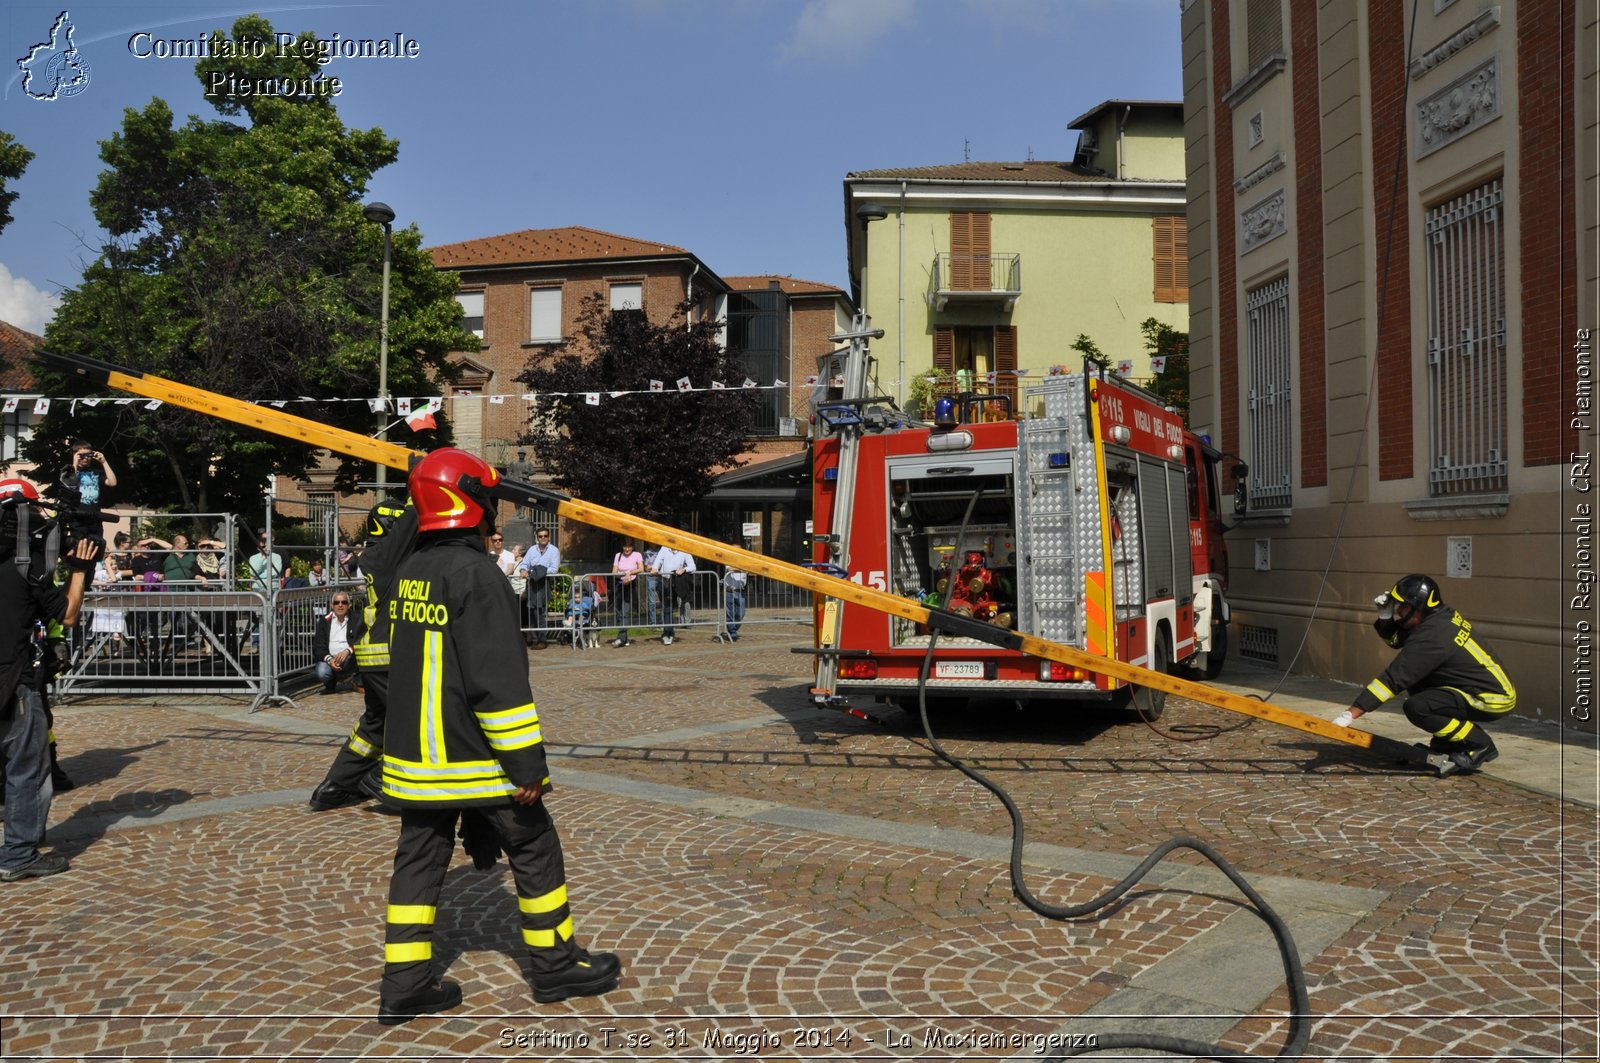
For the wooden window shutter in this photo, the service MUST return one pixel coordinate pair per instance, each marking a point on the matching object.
(969, 251)
(944, 359)
(1171, 259)
(1263, 30)
(1005, 364)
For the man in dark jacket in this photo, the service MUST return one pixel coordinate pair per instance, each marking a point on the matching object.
(1453, 681)
(467, 739)
(333, 643)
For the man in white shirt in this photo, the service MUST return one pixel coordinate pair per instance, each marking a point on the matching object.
(330, 643)
(670, 564)
(540, 555)
(502, 557)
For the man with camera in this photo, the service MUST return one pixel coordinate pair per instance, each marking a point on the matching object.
(82, 486)
(28, 596)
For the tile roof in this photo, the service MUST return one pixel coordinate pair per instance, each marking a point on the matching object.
(792, 285)
(1032, 170)
(16, 350)
(573, 243)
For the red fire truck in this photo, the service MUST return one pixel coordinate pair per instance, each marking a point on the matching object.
(1093, 521)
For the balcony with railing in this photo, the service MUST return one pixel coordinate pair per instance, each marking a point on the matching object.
(975, 279)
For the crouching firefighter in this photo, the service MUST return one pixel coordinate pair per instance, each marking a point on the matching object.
(466, 739)
(1453, 681)
(355, 773)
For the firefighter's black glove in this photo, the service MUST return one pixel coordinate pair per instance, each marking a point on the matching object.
(478, 840)
(85, 554)
(1390, 631)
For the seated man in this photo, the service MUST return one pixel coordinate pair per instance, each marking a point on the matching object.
(330, 645)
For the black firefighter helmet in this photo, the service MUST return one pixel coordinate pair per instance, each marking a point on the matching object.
(1417, 592)
(382, 516)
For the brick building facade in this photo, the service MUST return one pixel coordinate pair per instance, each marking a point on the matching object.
(1392, 268)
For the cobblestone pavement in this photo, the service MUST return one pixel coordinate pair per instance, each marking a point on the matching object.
(787, 882)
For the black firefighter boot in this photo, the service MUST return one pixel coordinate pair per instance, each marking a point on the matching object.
(1471, 755)
(592, 974)
(441, 995)
(328, 796)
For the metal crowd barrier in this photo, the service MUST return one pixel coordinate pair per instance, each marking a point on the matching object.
(168, 639)
(705, 610)
(179, 638)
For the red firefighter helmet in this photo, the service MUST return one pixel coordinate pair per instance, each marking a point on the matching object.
(22, 487)
(441, 499)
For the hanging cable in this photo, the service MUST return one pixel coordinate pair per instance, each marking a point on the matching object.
(1372, 377)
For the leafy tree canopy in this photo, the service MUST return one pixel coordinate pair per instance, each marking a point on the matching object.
(14, 159)
(237, 259)
(1172, 383)
(1160, 340)
(646, 454)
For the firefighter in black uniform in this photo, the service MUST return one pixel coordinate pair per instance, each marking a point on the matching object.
(1453, 680)
(466, 738)
(354, 775)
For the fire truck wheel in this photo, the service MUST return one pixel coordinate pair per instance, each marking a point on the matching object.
(1218, 652)
(1147, 704)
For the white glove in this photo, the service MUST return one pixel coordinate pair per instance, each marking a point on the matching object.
(1344, 719)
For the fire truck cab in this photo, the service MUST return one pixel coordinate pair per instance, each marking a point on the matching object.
(1094, 523)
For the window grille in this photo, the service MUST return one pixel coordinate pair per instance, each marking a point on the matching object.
(1467, 343)
(1271, 422)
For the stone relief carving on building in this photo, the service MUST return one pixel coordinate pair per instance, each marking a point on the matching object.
(1263, 222)
(1275, 163)
(1487, 20)
(1466, 104)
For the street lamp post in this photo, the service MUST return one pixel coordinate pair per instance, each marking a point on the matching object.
(382, 214)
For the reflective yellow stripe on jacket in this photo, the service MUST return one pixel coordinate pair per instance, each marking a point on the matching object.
(515, 728)
(462, 780)
(438, 778)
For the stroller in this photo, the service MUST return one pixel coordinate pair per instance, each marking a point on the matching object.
(580, 626)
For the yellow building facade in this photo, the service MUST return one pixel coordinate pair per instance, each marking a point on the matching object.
(982, 268)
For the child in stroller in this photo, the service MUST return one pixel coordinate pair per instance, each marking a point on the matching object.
(580, 627)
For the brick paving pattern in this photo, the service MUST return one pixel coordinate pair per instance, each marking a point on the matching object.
(768, 870)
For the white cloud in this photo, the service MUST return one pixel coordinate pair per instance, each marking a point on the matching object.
(23, 305)
(836, 28)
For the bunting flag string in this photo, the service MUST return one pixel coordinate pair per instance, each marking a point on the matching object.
(404, 406)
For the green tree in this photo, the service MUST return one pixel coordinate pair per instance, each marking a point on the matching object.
(649, 454)
(1162, 341)
(237, 259)
(14, 159)
(1172, 383)
(1091, 350)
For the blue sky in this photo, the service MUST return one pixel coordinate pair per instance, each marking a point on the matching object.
(722, 126)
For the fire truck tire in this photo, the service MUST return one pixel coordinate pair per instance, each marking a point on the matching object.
(1218, 653)
(1142, 703)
